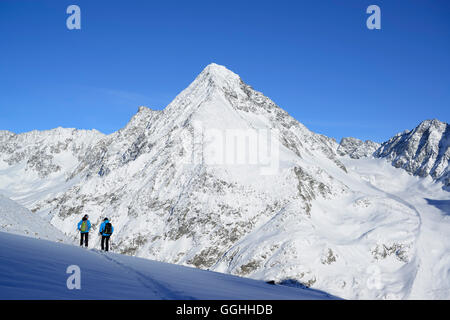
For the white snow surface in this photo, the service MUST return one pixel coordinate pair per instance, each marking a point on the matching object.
(17, 219)
(356, 228)
(36, 269)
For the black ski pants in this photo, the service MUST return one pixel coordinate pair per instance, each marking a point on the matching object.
(84, 239)
(105, 243)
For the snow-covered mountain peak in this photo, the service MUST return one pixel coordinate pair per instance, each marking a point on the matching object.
(141, 117)
(356, 148)
(219, 74)
(5, 135)
(432, 124)
(144, 109)
(207, 88)
(423, 151)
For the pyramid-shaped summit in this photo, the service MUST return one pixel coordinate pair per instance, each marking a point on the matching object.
(213, 82)
(218, 70)
(219, 100)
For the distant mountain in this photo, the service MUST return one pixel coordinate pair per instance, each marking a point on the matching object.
(224, 179)
(356, 148)
(35, 163)
(47, 152)
(423, 151)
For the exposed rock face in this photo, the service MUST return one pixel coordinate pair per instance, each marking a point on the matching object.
(423, 151)
(46, 152)
(356, 148)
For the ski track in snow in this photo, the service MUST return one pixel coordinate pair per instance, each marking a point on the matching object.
(161, 291)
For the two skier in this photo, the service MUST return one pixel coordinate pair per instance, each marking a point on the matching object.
(106, 230)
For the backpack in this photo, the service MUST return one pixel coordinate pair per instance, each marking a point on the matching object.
(84, 226)
(108, 228)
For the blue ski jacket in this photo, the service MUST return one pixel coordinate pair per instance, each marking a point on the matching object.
(88, 226)
(102, 228)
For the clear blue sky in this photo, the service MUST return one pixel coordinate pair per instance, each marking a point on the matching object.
(315, 59)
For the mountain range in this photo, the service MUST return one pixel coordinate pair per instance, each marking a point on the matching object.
(224, 179)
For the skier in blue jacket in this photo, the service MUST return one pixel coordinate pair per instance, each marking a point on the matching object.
(84, 226)
(106, 230)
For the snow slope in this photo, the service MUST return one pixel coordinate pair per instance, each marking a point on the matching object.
(386, 238)
(426, 275)
(17, 219)
(36, 269)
